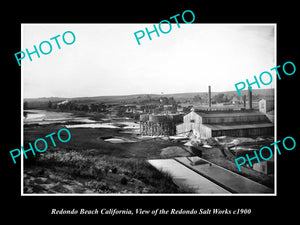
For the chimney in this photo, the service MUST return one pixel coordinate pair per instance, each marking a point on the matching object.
(250, 98)
(244, 100)
(209, 97)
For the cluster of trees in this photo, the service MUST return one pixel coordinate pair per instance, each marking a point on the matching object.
(197, 98)
(221, 97)
(25, 105)
(148, 100)
(218, 98)
(167, 101)
(72, 105)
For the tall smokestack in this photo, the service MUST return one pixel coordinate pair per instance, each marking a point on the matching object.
(209, 97)
(244, 100)
(250, 98)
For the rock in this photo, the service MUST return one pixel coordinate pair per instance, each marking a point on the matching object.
(59, 188)
(146, 190)
(37, 172)
(40, 180)
(126, 192)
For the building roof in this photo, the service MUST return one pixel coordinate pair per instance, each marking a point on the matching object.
(238, 126)
(228, 113)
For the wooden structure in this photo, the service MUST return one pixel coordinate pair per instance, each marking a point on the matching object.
(160, 124)
(266, 106)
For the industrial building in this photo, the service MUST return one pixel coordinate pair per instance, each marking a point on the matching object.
(209, 122)
(206, 124)
(228, 122)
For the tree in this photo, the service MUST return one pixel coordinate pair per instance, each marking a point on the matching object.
(94, 107)
(49, 104)
(25, 105)
(197, 98)
(221, 97)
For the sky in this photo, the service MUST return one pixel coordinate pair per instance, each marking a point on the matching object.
(105, 59)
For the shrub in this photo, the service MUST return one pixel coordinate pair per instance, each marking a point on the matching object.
(123, 180)
(114, 170)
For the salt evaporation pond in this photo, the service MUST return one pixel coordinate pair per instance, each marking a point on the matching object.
(118, 125)
(119, 140)
(93, 125)
(42, 117)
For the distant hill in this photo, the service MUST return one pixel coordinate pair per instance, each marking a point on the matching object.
(127, 99)
(258, 92)
(44, 99)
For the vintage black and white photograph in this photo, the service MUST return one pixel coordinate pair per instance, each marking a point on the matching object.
(106, 115)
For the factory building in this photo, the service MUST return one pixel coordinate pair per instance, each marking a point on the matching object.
(206, 124)
(236, 123)
(209, 122)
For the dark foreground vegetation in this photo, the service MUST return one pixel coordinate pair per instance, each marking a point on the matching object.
(88, 164)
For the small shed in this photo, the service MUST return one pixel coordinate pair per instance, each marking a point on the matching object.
(266, 167)
(266, 105)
